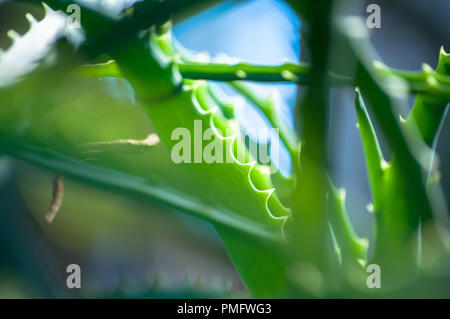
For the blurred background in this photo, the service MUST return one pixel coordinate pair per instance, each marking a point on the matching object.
(119, 241)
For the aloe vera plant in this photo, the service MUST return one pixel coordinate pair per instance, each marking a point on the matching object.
(287, 236)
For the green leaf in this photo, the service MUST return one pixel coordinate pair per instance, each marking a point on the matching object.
(402, 196)
(223, 183)
(27, 51)
(374, 158)
(428, 113)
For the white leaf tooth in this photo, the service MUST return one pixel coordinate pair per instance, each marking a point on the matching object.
(265, 169)
(288, 75)
(342, 193)
(431, 81)
(379, 65)
(241, 74)
(47, 8)
(177, 58)
(362, 262)
(30, 19)
(13, 35)
(427, 68)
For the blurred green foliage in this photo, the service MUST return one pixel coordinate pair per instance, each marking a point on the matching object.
(297, 242)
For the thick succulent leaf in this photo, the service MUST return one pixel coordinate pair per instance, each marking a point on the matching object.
(98, 141)
(211, 179)
(264, 269)
(428, 113)
(352, 248)
(403, 199)
(27, 51)
(374, 157)
(223, 183)
(237, 197)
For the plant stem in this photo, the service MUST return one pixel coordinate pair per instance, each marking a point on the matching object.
(419, 82)
(310, 237)
(424, 82)
(286, 72)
